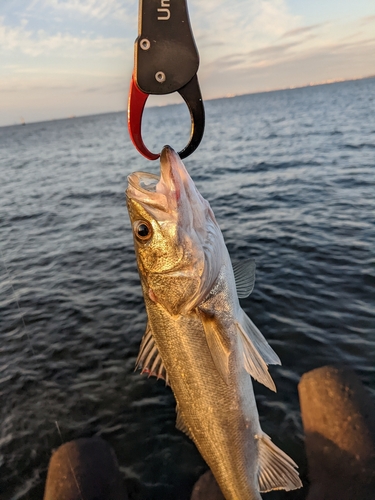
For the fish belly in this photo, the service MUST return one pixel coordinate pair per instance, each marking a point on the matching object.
(221, 419)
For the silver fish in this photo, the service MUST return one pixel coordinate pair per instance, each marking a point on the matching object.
(198, 338)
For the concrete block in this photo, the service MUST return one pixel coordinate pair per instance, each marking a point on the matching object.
(84, 469)
(339, 421)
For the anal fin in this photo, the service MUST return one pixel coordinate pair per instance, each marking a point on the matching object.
(276, 470)
(149, 359)
(180, 424)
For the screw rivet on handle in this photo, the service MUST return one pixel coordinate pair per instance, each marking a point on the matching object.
(145, 44)
(160, 77)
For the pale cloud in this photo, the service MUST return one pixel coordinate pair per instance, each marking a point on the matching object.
(27, 80)
(98, 9)
(241, 25)
(287, 68)
(367, 20)
(265, 56)
(299, 43)
(273, 50)
(301, 30)
(30, 43)
(273, 17)
(228, 28)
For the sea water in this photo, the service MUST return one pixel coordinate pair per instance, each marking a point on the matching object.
(290, 176)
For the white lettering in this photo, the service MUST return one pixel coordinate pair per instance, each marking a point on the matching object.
(165, 4)
(167, 15)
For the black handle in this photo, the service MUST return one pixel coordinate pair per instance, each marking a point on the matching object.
(166, 57)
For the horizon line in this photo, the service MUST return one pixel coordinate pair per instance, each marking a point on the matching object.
(227, 96)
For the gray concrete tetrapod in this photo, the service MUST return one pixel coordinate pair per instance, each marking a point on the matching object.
(339, 422)
(84, 469)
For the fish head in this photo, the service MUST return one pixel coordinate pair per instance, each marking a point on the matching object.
(178, 244)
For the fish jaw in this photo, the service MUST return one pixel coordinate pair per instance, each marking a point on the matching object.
(182, 260)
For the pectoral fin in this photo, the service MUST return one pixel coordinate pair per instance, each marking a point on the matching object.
(244, 276)
(256, 351)
(149, 359)
(217, 343)
(276, 470)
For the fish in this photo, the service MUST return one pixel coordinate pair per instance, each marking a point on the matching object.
(198, 338)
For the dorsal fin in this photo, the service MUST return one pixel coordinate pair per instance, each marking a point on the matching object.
(149, 359)
(244, 276)
(276, 471)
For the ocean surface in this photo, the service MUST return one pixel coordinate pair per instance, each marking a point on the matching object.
(290, 176)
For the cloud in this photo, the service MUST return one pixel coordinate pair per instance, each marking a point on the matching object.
(98, 9)
(265, 56)
(240, 25)
(219, 25)
(48, 84)
(39, 43)
(17, 86)
(301, 31)
(273, 50)
(367, 20)
(110, 87)
(332, 61)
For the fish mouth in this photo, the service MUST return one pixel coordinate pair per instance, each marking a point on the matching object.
(160, 192)
(144, 182)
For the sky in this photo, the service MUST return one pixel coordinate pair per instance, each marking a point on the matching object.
(61, 58)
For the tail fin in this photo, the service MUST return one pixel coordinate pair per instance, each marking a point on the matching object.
(276, 470)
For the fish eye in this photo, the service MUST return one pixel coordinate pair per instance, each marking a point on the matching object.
(143, 230)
